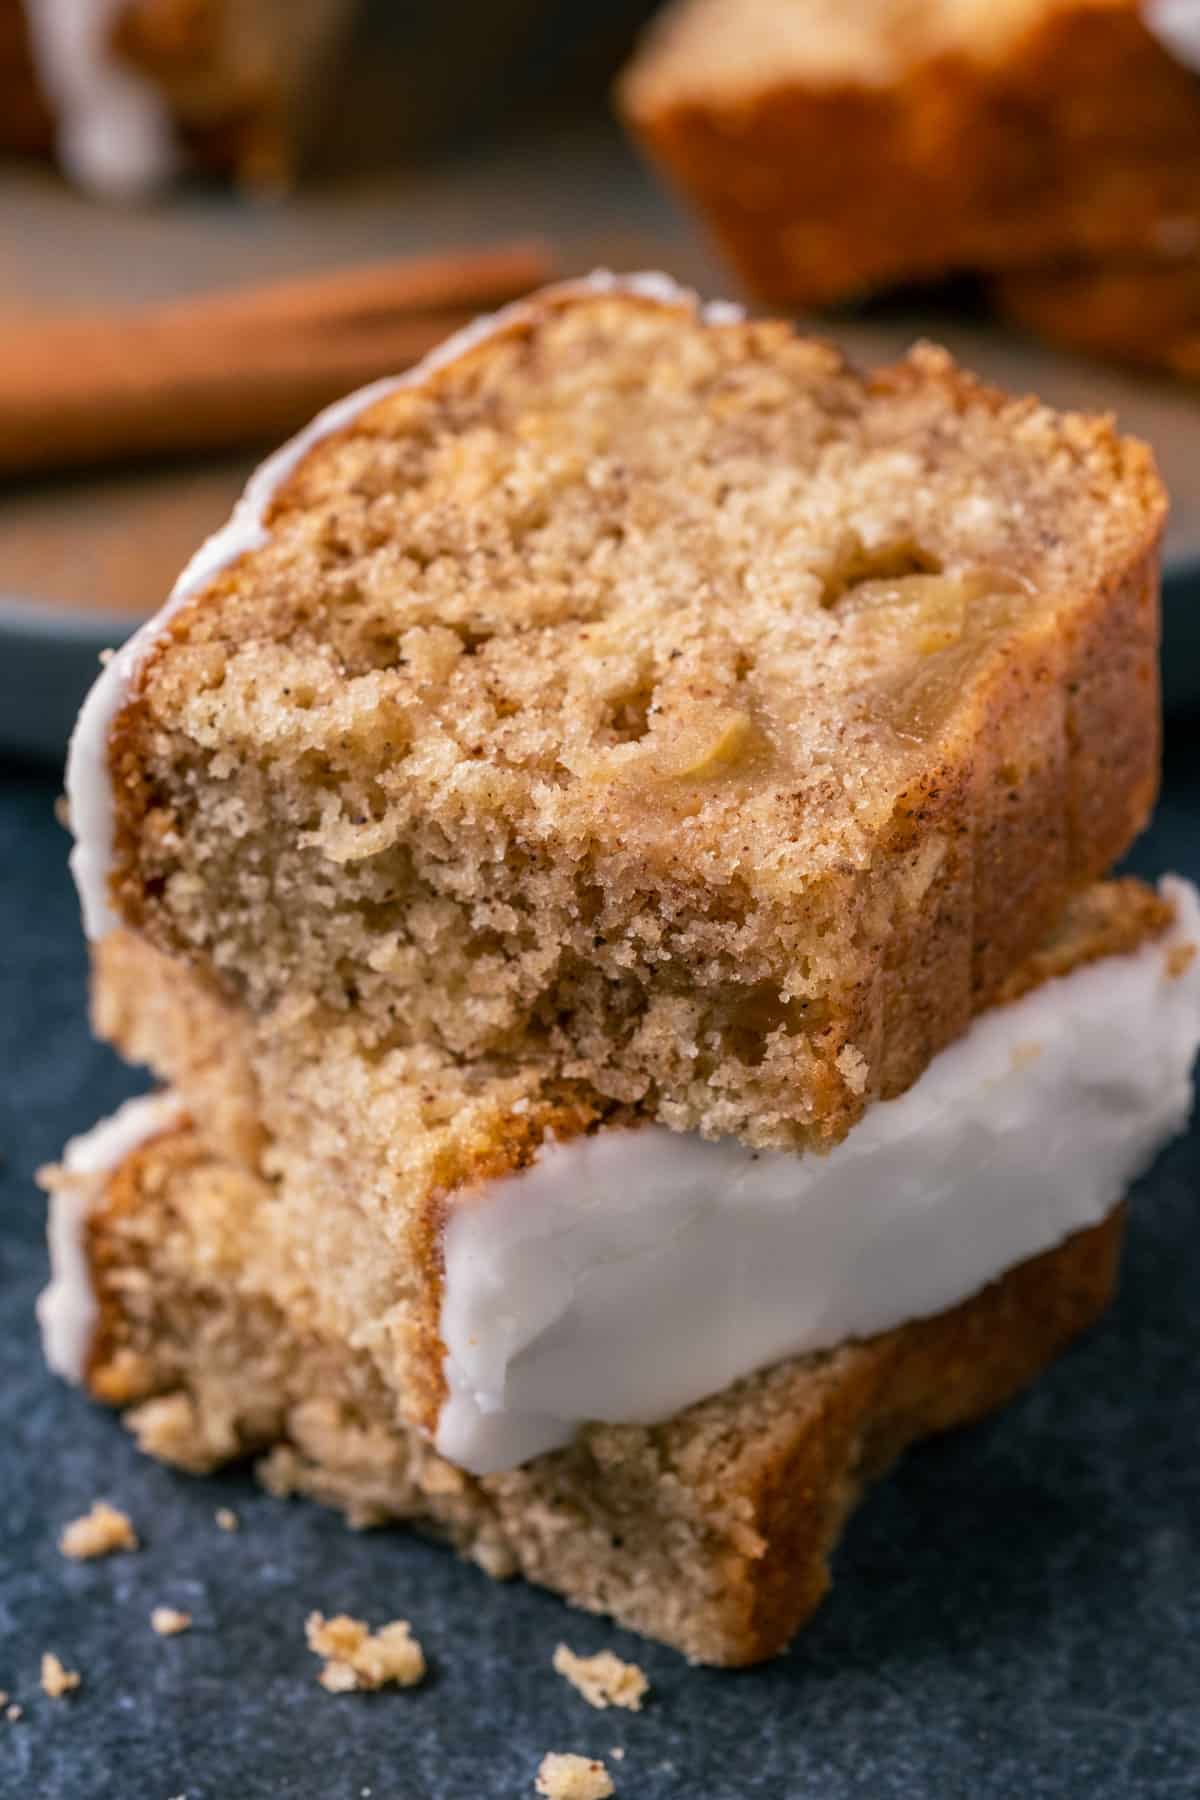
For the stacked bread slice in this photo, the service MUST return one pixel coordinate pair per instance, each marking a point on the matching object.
(606, 853)
(1050, 146)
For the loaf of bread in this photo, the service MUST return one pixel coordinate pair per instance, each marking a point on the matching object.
(264, 1260)
(711, 1532)
(838, 146)
(601, 852)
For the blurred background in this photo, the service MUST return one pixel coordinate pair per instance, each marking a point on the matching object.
(215, 215)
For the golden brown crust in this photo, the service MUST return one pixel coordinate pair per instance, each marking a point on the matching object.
(1146, 313)
(1029, 771)
(820, 186)
(711, 1532)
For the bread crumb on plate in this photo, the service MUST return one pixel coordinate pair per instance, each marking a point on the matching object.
(168, 1621)
(357, 1657)
(603, 1679)
(14, 1712)
(57, 1681)
(227, 1519)
(100, 1532)
(564, 1776)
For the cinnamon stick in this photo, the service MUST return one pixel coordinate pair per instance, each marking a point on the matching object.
(223, 370)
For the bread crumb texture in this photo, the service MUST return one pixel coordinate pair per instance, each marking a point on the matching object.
(564, 1776)
(358, 1658)
(57, 1681)
(100, 1532)
(603, 1679)
(168, 1621)
(663, 706)
(227, 1519)
(710, 1531)
(13, 1712)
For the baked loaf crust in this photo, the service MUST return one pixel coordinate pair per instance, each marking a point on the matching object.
(659, 704)
(711, 1532)
(366, 1158)
(835, 148)
(1146, 313)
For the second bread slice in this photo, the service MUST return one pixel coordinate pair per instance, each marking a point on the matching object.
(650, 698)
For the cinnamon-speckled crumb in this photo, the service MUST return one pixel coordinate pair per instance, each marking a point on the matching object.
(723, 635)
(570, 1777)
(100, 1532)
(359, 1658)
(57, 1680)
(603, 1679)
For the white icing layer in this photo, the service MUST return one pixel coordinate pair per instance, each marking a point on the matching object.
(628, 1274)
(1176, 24)
(89, 783)
(114, 133)
(66, 1308)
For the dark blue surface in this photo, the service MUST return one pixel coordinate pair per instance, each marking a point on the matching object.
(1017, 1612)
